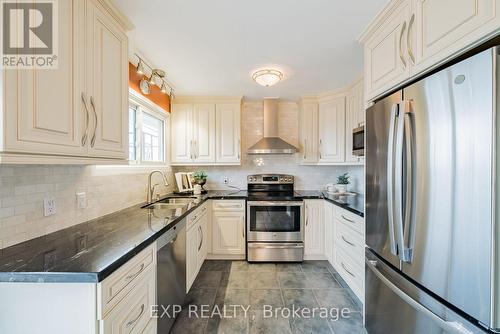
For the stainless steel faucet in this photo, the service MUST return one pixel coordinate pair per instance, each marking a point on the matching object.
(151, 190)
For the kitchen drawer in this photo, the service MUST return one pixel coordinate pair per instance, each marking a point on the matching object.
(151, 328)
(350, 241)
(196, 215)
(350, 271)
(114, 288)
(354, 221)
(133, 313)
(228, 205)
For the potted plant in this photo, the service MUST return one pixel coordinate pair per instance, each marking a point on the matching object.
(342, 182)
(200, 177)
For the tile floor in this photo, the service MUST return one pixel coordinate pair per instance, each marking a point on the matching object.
(263, 289)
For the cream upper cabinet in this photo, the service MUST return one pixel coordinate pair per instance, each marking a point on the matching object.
(181, 133)
(386, 59)
(43, 111)
(443, 27)
(331, 121)
(78, 112)
(314, 231)
(308, 125)
(355, 117)
(228, 146)
(411, 37)
(204, 133)
(108, 78)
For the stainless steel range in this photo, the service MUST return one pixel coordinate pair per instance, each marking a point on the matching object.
(275, 230)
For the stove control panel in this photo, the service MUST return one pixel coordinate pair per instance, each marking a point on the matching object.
(270, 179)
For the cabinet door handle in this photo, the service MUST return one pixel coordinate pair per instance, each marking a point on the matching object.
(401, 55)
(320, 148)
(243, 220)
(307, 215)
(348, 242)
(191, 149)
(350, 221)
(347, 270)
(201, 238)
(87, 118)
(131, 322)
(305, 149)
(239, 149)
(92, 141)
(408, 40)
(131, 277)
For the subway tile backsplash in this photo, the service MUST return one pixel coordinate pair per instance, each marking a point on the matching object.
(23, 189)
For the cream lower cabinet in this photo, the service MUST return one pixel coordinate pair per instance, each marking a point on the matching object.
(205, 131)
(328, 211)
(411, 37)
(228, 228)
(314, 230)
(197, 240)
(77, 112)
(121, 303)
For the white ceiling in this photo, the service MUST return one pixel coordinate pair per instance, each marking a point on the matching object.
(211, 47)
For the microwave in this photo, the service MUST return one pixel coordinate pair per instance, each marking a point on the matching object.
(358, 141)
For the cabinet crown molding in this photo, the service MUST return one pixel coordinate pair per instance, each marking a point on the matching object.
(378, 20)
(206, 99)
(117, 14)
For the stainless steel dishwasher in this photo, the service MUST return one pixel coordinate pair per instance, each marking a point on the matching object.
(171, 273)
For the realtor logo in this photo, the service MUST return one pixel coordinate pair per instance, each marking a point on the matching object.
(29, 34)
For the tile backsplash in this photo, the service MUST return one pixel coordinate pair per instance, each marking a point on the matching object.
(23, 189)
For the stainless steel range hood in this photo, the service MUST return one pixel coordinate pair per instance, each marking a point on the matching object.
(271, 143)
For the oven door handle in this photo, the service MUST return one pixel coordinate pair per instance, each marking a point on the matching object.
(268, 246)
(275, 203)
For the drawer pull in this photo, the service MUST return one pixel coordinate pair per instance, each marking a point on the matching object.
(347, 270)
(350, 221)
(229, 205)
(130, 277)
(348, 242)
(131, 322)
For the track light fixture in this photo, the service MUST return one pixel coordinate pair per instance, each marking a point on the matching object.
(157, 77)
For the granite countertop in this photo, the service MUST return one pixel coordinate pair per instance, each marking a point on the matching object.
(352, 202)
(91, 251)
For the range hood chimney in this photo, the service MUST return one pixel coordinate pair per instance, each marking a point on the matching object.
(271, 143)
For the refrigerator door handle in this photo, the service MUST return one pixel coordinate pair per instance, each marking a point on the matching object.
(409, 188)
(398, 181)
(448, 326)
(390, 178)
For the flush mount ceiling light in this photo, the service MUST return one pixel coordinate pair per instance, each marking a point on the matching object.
(267, 77)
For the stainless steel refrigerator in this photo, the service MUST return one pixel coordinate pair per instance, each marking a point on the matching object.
(431, 171)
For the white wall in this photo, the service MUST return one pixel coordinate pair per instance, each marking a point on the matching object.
(23, 188)
(306, 177)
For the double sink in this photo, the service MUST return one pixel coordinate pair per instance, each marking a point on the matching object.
(172, 207)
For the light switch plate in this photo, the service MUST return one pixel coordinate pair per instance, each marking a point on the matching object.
(81, 200)
(49, 206)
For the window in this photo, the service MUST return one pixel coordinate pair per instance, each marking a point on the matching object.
(147, 133)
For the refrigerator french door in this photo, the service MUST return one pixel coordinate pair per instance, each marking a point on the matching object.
(430, 166)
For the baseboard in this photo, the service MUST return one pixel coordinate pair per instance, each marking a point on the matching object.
(315, 257)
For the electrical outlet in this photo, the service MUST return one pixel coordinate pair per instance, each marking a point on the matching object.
(225, 180)
(49, 206)
(81, 200)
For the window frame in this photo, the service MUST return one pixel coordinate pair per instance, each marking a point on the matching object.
(143, 105)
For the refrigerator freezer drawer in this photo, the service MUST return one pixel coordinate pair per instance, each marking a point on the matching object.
(395, 305)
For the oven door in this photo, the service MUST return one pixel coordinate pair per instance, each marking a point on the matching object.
(275, 221)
